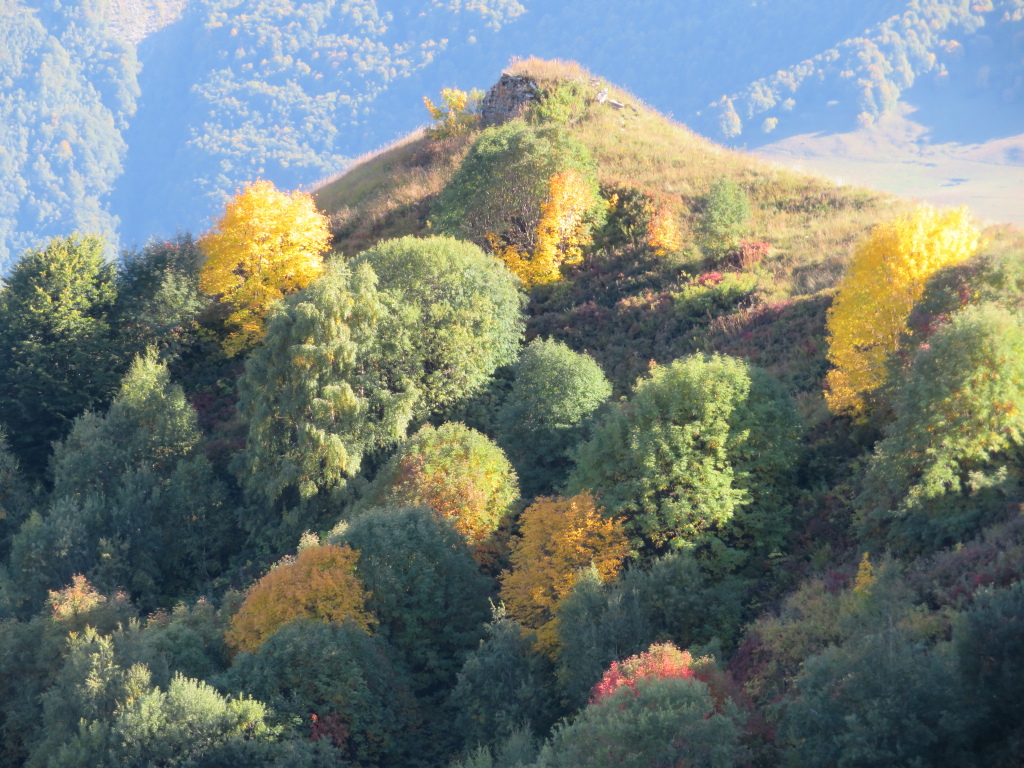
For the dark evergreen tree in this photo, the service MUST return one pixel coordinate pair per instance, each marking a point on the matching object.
(57, 358)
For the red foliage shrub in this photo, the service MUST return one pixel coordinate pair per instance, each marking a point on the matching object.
(751, 252)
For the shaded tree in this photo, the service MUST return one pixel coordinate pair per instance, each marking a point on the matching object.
(554, 392)
(950, 462)
(337, 683)
(57, 358)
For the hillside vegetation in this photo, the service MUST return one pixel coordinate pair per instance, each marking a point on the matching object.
(584, 442)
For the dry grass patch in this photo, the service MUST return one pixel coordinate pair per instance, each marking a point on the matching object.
(388, 193)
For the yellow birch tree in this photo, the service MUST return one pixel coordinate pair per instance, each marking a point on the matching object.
(266, 245)
(562, 232)
(885, 279)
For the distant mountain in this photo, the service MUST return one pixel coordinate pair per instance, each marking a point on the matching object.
(137, 117)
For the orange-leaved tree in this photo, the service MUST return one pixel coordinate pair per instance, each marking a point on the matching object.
(562, 232)
(458, 472)
(320, 583)
(266, 245)
(887, 276)
(558, 537)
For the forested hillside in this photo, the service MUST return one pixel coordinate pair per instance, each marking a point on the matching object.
(137, 117)
(552, 435)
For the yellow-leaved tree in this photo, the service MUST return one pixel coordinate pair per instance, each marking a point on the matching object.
(887, 276)
(318, 584)
(558, 537)
(266, 245)
(562, 232)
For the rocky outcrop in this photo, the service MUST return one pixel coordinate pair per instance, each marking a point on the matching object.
(507, 99)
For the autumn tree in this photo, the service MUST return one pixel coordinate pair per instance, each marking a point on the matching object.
(457, 472)
(319, 583)
(701, 456)
(266, 245)
(566, 221)
(500, 188)
(886, 277)
(554, 392)
(557, 537)
(456, 115)
(57, 352)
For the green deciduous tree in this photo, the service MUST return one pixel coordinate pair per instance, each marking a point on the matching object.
(880, 699)
(158, 298)
(135, 504)
(455, 316)
(425, 589)
(672, 599)
(951, 460)
(336, 683)
(316, 400)
(701, 456)
(503, 687)
(430, 599)
(57, 358)
(723, 219)
(554, 392)
(661, 722)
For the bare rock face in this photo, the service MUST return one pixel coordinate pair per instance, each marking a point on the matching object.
(507, 99)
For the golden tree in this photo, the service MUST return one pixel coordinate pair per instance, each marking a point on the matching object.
(557, 538)
(562, 232)
(887, 276)
(663, 233)
(266, 245)
(455, 115)
(320, 584)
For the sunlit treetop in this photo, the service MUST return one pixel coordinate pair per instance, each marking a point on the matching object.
(266, 245)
